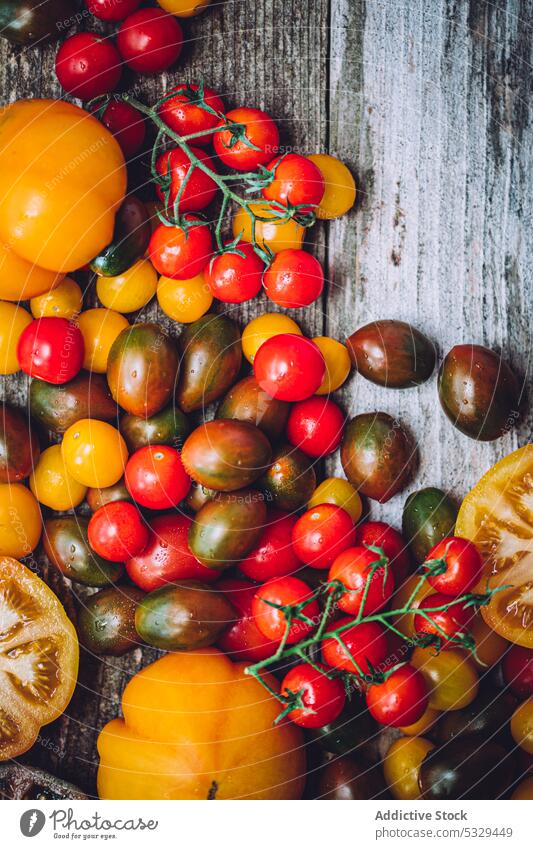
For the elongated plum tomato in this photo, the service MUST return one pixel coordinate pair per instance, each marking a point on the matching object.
(117, 531)
(150, 41)
(274, 555)
(518, 671)
(315, 426)
(88, 66)
(297, 182)
(321, 534)
(366, 644)
(289, 367)
(400, 700)
(323, 698)
(51, 349)
(353, 568)
(243, 640)
(463, 566)
(112, 10)
(236, 275)
(199, 189)
(185, 112)
(271, 621)
(178, 254)
(155, 477)
(125, 122)
(393, 544)
(262, 139)
(294, 279)
(445, 624)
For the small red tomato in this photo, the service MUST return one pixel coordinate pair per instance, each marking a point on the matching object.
(353, 568)
(117, 531)
(178, 254)
(315, 426)
(463, 566)
(366, 644)
(150, 41)
(381, 535)
(294, 279)
(297, 182)
(321, 534)
(200, 188)
(127, 125)
(112, 10)
(271, 621)
(274, 555)
(289, 367)
(87, 65)
(185, 113)
(51, 349)
(323, 697)
(400, 700)
(260, 132)
(446, 624)
(233, 278)
(517, 668)
(244, 640)
(155, 477)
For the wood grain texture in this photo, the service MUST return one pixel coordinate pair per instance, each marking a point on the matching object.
(426, 100)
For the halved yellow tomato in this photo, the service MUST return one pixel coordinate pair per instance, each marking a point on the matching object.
(498, 516)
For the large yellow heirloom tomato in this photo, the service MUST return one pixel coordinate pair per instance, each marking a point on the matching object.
(52, 484)
(20, 521)
(13, 320)
(95, 453)
(63, 178)
(196, 727)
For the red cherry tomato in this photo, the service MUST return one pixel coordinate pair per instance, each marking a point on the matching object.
(112, 10)
(274, 555)
(185, 114)
(400, 700)
(178, 254)
(393, 544)
(297, 182)
(51, 349)
(289, 367)
(321, 534)
(323, 697)
(444, 623)
(200, 188)
(366, 644)
(315, 426)
(260, 131)
(150, 41)
(117, 531)
(233, 278)
(155, 477)
(294, 279)
(167, 557)
(463, 566)
(127, 125)
(271, 621)
(353, 569)
(87, 65)
(518, 671)
(244, 640)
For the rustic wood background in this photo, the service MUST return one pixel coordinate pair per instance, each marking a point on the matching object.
(427, 102)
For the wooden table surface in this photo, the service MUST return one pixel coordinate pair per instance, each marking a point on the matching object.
(427, 102)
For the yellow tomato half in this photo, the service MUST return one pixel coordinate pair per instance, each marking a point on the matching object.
(278, 235)
(264, 327)
(129, 291)
(13, 320)
(20, 520)
(184, 300)
(340, 492)
(99, 328)
(337, 361)
(95, 453)
(402, 764)
(52, 484)
(64, 301)
(340, 191)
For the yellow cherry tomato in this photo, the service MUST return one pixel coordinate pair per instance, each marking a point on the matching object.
(402, 763)
(264, 327)
(13, 320)
(183, 8)
(95, 453)
(129, 291)
(490, 647)
(278, 235)
(524, 791)
(99, 329)
(340, 492)
(340, 191)
(20, 520)
(426, 721)
(522, 726)
(52, 484)
(65, 301)
(451, 677)
(21, 280)
(337, 361)
(184, 300)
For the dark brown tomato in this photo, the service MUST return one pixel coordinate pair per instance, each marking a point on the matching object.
(227, 528)
(168, 427)
(429, 515)
(247, 402)
(142, 369)
(377, 455)
(130, 239)
(392, 353)
(226, 455)
(211, 356)
(290, 480)
(466, 768)
(346, 779)
(487, 716)
(57, 407)
(353, 731)
(19, 446)
(106, 621)
(29, 21)
(197, 496)
(67, 547)
(478, 392)
(97, 498)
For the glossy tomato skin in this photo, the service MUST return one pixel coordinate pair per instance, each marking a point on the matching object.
(289, 367)
(290, 480)
(126, 123)
(297, 182)
(180, 255)
(400, 700)
(393, 544)
(353, 569)
(233, 278)
(117, 531)
(517, 668)
(184, 113)
(315, 426)
(271, 621)
(155, 477)
(200, 189)
(114, 11)
(243, 640)
(321, 534)
(51, 349)
(463, 566)
(260, 130)
(294, 279)
(323, 697)
(150, 41)
(366, 643)
(87, 65)
(274, 555)
(453, 621)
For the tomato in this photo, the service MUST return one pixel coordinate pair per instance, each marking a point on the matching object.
(51, 349)
(446, 624)
(323, 698)
(235, 275)
(155, 477)
(337, 361)
(340, 492)
(273, 232)
(99, 329)
(293, 279)
(401, 699)
(426, 721)
(112, 10)
(412, 589)
(95, 453)
(21, 279)
(352, 568)
(289, 367)
(184, 300)
(321, 534)
(451, 677)
(259, 130)
(522, 726)
(117, 531)
(129, 291)
(315, 426)
(401, 766)
(126, 123)
(365, 647)
(518, 671)
(490, 647)
(167, 558)
(13, 321)
(20, 520)
(272, 621)
(150, 41)
(63, 301)
(463, 566)
(178, 254)
(259, 329)
(274, 555)
(243, 640)
(87, 65)
(184, 8)
(297, 182)
(52, 484)
(339, 186)
(184, 112)
(19, 445)
(197, 188)
(391, 541)
(524, 790)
